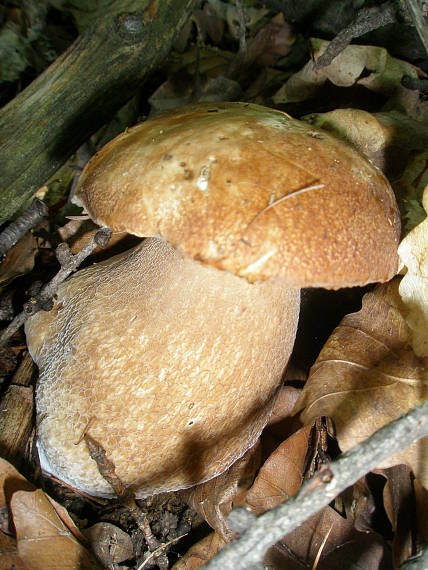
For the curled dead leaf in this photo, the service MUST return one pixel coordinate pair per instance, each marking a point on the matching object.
(328, 541)
(9, 557)
(382, 73)
(19, 260)
(398, 502)
(200, 553)
(367, 375)
(10, 482)
(281, 475)
(44, 541)
(109, 543)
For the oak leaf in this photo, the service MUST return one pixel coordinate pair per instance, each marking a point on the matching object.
(44, 541)
(281, 475)
(367, 375)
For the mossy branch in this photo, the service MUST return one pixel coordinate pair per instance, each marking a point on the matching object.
(47, 122)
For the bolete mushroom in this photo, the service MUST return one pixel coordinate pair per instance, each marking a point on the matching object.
(170, 355)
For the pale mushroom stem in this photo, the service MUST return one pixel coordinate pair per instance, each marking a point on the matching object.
(171, 366)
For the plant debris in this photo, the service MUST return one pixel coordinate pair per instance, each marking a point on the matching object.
(358, 70)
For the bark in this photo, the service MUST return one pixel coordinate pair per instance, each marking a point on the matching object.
(16, 414)
(47, 122)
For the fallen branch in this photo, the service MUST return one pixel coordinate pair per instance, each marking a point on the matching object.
(48, 121)
(247, 552)
(43, 299)
(17, 229)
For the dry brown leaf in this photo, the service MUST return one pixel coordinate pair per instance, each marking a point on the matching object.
(281, 423)
(284, 405)
(367, 375)
(19, 260)
(200, 553)
(10, 481)
(383, 73)
(214, 499)
(398, 501)
(281, 475)
(271, 42)
(109, 543)
(333, 539)
(44, 542)
(9, 557)
(210, 22)
(67, 520)
(421, 495)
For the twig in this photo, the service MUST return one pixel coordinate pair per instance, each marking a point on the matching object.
(367, 20)
(161, 548)
(108, 470)
(247, 552)
(43, 300)
(17, 229)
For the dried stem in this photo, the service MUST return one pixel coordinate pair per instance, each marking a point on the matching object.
(43, 300)
(107, 469)
(17, 229)
(367, 20)
(247, 553)
(161, 548)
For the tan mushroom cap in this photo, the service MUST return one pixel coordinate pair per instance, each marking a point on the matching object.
(249, 190)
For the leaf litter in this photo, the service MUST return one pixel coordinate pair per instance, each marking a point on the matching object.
(371, 369)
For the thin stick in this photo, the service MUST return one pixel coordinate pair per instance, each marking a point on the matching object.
(247, 552)
(160, 549)
(367, 20)
(43, 301)
(17, 229)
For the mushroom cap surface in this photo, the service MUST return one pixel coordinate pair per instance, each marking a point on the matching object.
(249, 190)
(170, 365)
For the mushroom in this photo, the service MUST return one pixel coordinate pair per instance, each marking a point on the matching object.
(170, 355)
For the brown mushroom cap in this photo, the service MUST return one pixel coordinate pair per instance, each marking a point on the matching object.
(168, 364)
(249, 190)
